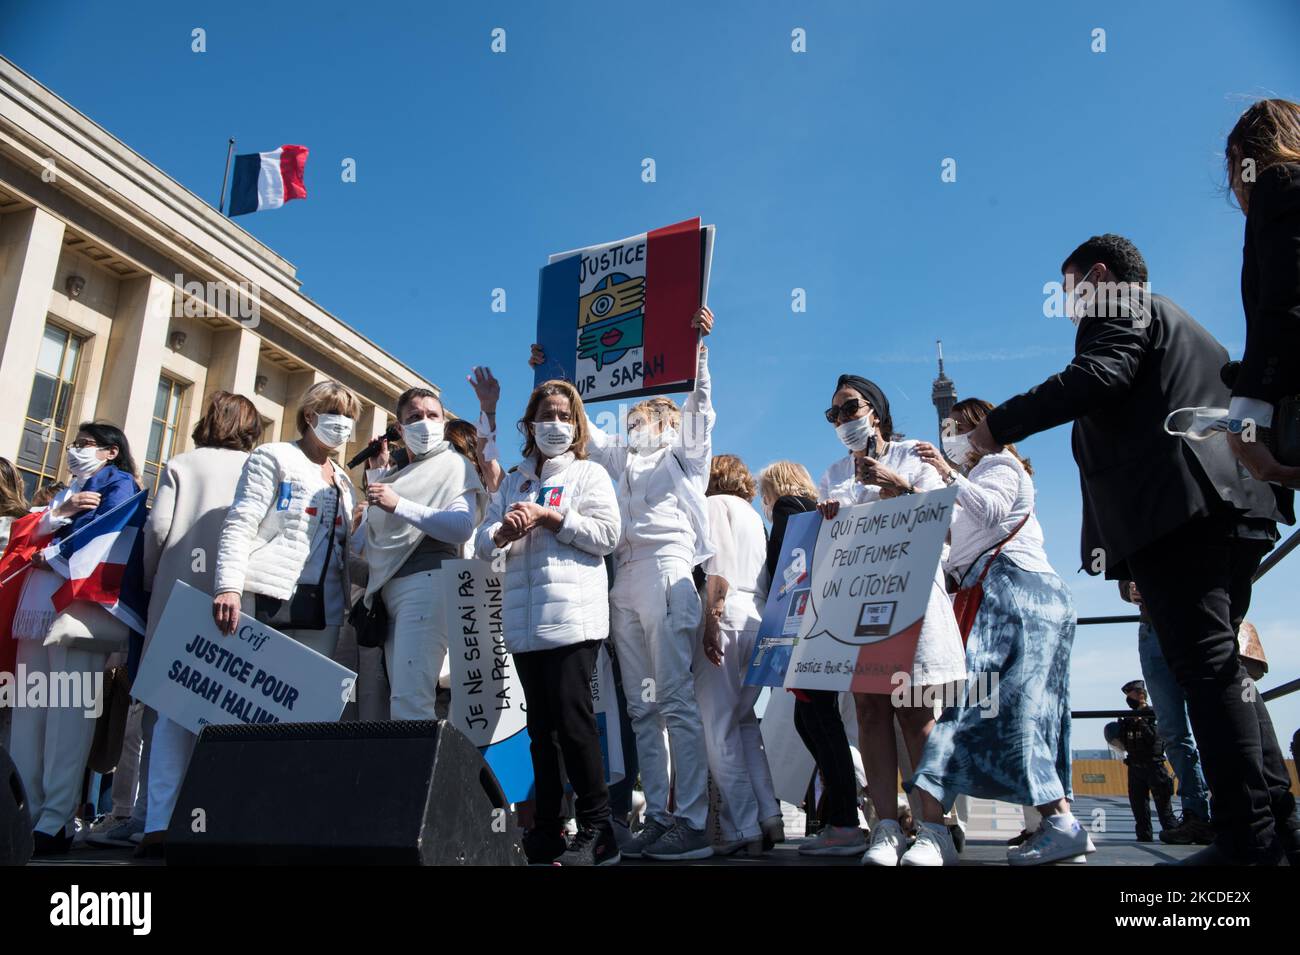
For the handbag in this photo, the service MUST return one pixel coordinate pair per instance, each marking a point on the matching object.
(305, 608)
(370, 623)
(966, 602)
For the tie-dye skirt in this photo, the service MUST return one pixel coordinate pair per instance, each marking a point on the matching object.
(1009, 736)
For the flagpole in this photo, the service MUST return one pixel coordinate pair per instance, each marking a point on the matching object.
(230, 150)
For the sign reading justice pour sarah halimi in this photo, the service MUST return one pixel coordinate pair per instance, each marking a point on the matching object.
(195, 675)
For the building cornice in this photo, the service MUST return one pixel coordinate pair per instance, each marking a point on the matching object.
(127, 193)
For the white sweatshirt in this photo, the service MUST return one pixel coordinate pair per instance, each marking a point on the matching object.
(661, 492)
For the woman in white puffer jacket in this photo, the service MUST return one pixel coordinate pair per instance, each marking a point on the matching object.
(286, 533)
(549, 527)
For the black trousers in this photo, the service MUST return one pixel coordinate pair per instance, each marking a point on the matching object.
(1150, 780)
(561, 723)
(818, 724)
(1196, 585)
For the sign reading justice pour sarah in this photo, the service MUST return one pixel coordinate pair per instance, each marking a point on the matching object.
(195, 675)
(615, 319)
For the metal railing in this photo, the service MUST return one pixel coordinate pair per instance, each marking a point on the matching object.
(1275, 557)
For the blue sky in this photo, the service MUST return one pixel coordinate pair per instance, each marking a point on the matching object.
(821, 171)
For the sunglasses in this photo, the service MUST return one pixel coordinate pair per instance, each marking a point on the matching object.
(837, 413)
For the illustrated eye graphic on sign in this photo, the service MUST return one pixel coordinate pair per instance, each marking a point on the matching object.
(611, 319)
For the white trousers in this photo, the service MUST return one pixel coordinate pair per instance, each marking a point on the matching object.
(416, 644)
(131, 777)
(736, 757)
(170, 749)
(52, 743)
(655, 620)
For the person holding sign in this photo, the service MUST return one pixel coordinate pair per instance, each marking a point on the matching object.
(661, 474)
(1010, 742)
(880, 465)
(419, 514)
(189, 507)
(787, 489)
(735, 590)
(549, 527)
(284, 548)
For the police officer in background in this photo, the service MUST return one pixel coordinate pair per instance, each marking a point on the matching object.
(1144, 755)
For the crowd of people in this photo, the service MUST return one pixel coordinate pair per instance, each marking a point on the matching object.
(647, 541)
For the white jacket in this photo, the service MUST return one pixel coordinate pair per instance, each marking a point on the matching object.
(266, 537)
(556, 591)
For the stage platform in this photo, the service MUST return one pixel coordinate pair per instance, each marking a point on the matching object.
(989, 826)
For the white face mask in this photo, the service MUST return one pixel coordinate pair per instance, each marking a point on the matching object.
(856, 434)
(420, 436)
(1204, 423)
(1075, 307)
(552, 437)
(83, 462)
(643, 439)
(332, 430)
(958, 448)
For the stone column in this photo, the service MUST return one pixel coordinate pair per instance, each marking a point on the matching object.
(31, 242)
(133, 361)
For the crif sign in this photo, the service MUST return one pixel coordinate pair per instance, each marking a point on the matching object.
(615, 319)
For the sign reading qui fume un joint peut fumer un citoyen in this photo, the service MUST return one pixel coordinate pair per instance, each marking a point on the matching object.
(848, 598)
(195, 675)
(615, 319)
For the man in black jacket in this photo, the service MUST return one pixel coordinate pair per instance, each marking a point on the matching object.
(1178, 518)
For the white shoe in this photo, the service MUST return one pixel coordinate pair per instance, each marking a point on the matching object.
(887, 844)
(1050, 844)
(933, 846)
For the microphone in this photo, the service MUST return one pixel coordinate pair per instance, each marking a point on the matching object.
(371, 449)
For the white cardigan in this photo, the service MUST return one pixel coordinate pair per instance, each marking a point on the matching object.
(556, 590)
(266, 537)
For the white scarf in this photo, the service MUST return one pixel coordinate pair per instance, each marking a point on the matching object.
(435, 479)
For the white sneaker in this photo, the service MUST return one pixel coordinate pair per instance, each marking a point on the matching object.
(113, 831)
(1050, 844)
(933, 846)
(887, 844)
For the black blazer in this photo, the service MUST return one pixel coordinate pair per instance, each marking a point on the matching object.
(782, 508)
(1138, 482)
(1270, 287)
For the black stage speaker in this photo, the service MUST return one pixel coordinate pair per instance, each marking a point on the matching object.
(15, 815)
(410, 792)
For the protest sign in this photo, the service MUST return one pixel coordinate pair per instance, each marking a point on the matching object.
(872, 573)
(487, 701)
(195, 675)
(615, 319)
(604, 701)
(787, 601)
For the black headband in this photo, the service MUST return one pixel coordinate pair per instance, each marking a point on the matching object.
(875, 397)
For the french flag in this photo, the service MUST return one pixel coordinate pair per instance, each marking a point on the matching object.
(268, 180)
(103, 562)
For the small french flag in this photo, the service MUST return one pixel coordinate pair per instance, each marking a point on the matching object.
(268, 180)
